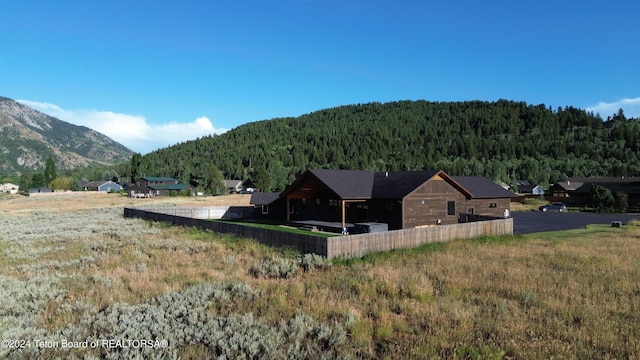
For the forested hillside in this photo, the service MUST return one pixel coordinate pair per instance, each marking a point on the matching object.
(501, 140)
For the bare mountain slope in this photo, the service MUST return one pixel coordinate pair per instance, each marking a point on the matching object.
(28, 137)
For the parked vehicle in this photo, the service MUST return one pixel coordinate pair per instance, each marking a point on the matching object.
(554, 206)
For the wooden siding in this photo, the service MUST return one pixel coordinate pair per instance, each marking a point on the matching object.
(428, 204)
(485, 207)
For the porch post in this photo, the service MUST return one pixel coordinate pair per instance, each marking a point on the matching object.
(344, 218)
(288, 209)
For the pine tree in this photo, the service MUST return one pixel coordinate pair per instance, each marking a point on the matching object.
(50, 171)
(136, 159)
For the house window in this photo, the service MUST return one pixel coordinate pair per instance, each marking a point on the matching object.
(388, 207)
(265, 209)
(317, 204)
(362, 212)
(493, 205)
(333, 205)
(451, 207)
(304, 204)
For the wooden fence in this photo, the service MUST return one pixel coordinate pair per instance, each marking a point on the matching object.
(201, 212)
(362, 244)
(336, 246)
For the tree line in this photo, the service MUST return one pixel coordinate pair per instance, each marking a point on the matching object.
(502, 140)
(47, 178)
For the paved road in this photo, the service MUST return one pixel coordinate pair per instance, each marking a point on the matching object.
(527, 222)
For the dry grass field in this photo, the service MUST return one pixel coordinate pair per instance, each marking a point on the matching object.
(74, 271)
(71, 201)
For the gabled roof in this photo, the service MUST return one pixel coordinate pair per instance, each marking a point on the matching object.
(260, 198)
(527, 188)
(398, 184)
(479, 187)
(97, 183)
(232, 183)
(362, 184)
(347, 184)
(568, 185)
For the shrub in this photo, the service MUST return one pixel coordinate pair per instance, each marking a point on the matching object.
(181, 318)
(278, 268)
(310, 262)
(634, 222)
(21, 304)
(532, 201)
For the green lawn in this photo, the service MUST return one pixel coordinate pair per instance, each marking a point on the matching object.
(279, 227)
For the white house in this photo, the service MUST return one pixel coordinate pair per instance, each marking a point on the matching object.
(234, 186)
(9, 188)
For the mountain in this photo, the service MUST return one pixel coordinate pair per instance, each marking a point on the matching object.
(502, 140)
(28, 137)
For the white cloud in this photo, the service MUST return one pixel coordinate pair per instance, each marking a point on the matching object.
(132, 131)
(631, 108)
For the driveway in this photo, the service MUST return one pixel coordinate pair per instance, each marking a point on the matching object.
(527, 222)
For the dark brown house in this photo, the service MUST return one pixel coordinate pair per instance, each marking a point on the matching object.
(578, 191)
(401, 200)
(268, 206)
(151, 186)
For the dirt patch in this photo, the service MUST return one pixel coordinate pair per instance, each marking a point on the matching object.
(70, 201)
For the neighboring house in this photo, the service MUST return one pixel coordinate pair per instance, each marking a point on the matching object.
(563, 189)
(577, 191)
(234, 186)
(103, 185)
(40, 190)
(268, 206)
(530, 189)
(401, 200)
(484, 197)
(9, 188)
(151, 186)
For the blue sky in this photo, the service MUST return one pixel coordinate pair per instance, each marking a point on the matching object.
(150, 74)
